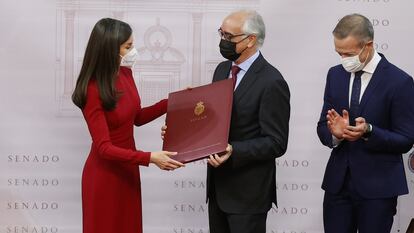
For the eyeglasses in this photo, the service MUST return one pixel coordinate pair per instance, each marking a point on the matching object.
(227, 36)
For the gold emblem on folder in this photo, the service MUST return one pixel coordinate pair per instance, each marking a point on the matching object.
(199, 108)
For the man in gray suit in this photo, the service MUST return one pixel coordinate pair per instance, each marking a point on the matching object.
(241, 184)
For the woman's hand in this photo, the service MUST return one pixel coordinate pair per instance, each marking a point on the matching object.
(164, 162)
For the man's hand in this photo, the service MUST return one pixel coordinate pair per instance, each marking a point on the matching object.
(353, 133)
(216, 160)
(337, 123)
(163, 131)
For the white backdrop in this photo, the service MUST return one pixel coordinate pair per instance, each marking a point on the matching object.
(44, 140)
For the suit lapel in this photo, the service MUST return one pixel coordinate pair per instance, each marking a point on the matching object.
(376, 79)
(343, 89)
(249, 78)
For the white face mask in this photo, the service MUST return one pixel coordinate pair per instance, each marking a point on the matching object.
(130, 58)
(353, 64)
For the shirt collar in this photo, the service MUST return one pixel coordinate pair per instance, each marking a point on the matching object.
(372, 65)
(246, 64)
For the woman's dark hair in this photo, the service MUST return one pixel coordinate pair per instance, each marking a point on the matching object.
(101, 62)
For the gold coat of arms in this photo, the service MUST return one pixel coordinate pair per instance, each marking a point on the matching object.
(199, 108)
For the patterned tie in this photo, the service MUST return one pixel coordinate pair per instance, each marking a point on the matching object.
(355, 94)
(234, 71)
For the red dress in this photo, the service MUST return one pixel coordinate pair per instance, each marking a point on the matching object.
(111, 188)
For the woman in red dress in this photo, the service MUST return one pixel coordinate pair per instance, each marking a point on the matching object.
(106, 93)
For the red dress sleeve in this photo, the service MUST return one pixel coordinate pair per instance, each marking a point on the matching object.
(151, 113)
(95, 118)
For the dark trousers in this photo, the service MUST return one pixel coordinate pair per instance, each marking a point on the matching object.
(221, 222)
(348, 212)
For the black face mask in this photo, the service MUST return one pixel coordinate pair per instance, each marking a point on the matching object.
(228, 49)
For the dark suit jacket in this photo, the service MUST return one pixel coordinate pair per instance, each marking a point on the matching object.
(375, 165)
(258, 133)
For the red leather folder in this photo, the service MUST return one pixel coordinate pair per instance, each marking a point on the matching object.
(198, 121)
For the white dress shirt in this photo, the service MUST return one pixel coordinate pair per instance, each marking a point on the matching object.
(366, 76)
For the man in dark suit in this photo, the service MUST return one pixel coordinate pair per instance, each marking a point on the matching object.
(241, 184)
(368, 120)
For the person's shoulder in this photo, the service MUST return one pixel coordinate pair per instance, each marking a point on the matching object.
(222, 68)
(125, 72)
(223, 64)
(396, 72)
(271, 78)
(336, 68)
(92, 83)
(92, 88)
(271, 72)
(335, 71)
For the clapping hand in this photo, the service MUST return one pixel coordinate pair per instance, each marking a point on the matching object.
(340, 128)
(353, 133)
(337, 123)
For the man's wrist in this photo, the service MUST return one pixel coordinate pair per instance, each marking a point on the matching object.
(336, 141)
(368, 131)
